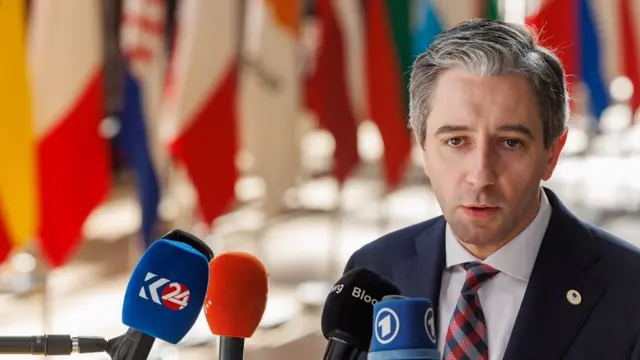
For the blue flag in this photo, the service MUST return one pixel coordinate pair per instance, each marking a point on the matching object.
(427, 25)
(134, 142)
(591, 61)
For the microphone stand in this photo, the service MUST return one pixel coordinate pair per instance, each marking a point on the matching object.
(231, 348)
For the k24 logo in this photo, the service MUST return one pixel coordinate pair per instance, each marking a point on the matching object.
(172, 295)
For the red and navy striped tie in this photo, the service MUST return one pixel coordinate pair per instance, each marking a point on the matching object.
(467, 335)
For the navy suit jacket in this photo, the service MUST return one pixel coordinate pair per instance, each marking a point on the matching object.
(605, 270)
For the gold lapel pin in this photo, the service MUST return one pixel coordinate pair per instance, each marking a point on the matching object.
(574, 297)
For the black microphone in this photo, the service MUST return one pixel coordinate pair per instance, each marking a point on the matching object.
(51, 345)
(131, 345)
(348, 312)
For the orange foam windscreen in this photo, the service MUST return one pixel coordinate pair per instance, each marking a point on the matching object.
(237, 294)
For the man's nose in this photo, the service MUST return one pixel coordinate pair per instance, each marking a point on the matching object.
(481, 166)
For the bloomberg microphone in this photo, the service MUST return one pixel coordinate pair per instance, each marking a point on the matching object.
(163, 298)
(51, 345)
(348, 310)
(236, 300)
(403, 329)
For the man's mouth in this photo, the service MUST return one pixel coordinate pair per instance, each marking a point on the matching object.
(480, 211)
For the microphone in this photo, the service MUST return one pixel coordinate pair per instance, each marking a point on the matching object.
(51, 345)
(403, 329)
(166, 291)
(163, 298)
(236, 300)
(191, 240)
(348, 310)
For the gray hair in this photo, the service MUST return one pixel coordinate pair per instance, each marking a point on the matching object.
(489, 47)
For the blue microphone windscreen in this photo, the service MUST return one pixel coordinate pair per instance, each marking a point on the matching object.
(403, 328)
(166, 291)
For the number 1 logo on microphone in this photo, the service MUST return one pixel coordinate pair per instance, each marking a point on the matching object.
(387, 326)
(174, 295)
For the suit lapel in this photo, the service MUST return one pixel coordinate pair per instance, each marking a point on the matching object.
(421, 275)
(547, 322)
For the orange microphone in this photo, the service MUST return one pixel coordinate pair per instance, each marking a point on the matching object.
(235, 301)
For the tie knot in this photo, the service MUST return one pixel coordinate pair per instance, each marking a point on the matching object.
(477, 274)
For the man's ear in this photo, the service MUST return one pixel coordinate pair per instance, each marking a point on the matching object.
(554, 154)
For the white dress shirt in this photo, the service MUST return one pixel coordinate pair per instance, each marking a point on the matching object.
(501, 296)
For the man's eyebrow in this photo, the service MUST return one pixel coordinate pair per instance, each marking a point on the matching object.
(518, 128)
(445, 129)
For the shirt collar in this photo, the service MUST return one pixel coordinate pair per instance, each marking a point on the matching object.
(518, 256)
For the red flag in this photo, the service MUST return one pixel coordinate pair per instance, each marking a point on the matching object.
(386, 91)
(5, 242)
(74, 165)
(327, 94)
(556, 21)
(629, 44)
(202, 100)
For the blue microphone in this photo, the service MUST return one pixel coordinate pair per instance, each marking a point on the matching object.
(403, 329)
(166, 291)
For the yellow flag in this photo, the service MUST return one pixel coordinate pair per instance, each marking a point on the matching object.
(17, 139)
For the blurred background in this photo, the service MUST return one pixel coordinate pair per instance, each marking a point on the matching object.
(275, 127)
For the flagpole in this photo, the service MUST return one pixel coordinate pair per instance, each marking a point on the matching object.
(46, 313)
(171, 175)
(383, 210)
(41, 275)
(334, 250)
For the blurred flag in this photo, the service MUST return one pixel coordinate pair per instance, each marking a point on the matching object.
(142, 42)
(67, 76)
(567, 27)
(351, 19)
(5, 240)
(271, 96)
(202, 100)
(388, 58)
(491, 10)
(590, 60)
(427, 25)
(18, 203)
(327, 92)
(630, 47)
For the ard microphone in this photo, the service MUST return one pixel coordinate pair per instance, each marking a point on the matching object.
(348, 310)
(51, 345)
(403, 329)
(236, 300)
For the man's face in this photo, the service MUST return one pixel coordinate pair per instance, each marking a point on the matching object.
(485, 156)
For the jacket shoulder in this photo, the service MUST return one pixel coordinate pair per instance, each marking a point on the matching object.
(381, 254)
(620, 255)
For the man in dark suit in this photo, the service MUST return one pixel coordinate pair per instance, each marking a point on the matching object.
(512, 272)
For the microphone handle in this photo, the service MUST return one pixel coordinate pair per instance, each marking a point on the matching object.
(340, 350)
(36, 345)
(142, 346)
(231, 348)
(132, 345)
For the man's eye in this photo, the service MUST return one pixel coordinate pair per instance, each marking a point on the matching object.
(512, 143)
(455, 142)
